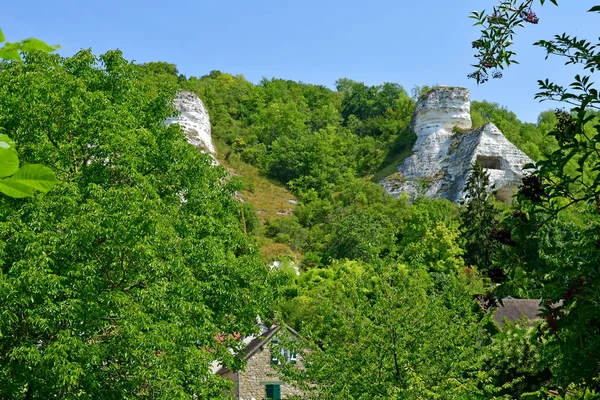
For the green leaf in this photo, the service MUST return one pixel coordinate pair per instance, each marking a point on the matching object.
(15, 189)
(35, 176)
(9, 54)
(6, 142)
(2, 38)
(594, 9)
(9, 160)
(32, 44)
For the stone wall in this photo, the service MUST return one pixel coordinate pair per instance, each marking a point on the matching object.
(259, 372)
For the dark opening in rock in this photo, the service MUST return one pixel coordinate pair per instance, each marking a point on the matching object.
(490, 162)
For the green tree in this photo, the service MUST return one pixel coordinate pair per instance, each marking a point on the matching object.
(365, 327)
(21, 182)
(561, 257)
(479, 218)
(114, 284)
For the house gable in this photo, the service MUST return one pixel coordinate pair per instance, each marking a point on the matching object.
(259, 378)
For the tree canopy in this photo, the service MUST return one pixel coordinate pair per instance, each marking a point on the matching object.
(114, 284)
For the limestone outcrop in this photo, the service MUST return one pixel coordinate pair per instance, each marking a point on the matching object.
(446, 147)
(194, 119)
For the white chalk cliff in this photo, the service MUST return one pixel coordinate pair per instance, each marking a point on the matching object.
(446, 148)
(193, 118)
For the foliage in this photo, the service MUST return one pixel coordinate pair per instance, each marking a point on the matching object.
(306, 136)
(114, 284)
(29, 177)
(365, 325)
(497, 34)
(515, 362)
(21, 181)
(12, 50)
(557, 253)
(479, 218)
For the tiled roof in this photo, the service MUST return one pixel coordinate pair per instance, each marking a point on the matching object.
(514, 309)
(258, 342)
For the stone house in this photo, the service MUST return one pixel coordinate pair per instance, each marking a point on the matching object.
(260, 380)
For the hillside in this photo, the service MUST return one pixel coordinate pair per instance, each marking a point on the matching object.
(150, 259)
(294, 143)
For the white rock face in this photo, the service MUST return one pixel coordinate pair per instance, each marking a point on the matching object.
(442, 155)
(193, 118)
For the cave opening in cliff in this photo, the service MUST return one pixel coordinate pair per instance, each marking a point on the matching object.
(490, 162)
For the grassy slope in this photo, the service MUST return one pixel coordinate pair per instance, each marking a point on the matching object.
(270, 199)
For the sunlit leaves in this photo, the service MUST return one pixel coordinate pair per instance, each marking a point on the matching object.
(9, 161)
(12, 51)
(128, 268)
(20, 182)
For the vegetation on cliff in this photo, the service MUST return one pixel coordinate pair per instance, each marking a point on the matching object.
(115, 283)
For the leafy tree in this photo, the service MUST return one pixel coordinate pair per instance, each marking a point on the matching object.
(114, 284)
(567, 179)
(516, 363)
(362, 236)
(27, 178)
(479, 218)
(365, 326)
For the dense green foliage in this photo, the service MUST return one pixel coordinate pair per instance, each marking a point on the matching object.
(114, 284)
(367, 326)
(324, 146)
(21, 181)
(307, 137)
(479, 219)
(551, 240)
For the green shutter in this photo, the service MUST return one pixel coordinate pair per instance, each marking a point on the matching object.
(273, 392)
(268, 391)
(276, 392)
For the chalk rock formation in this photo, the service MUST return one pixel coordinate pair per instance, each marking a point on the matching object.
(446, 148)
(193, 118)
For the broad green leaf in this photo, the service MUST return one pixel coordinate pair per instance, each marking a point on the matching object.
(2, 38)
(15, 189)
(9, 54)
(594, 9)
(32, 44)
(6, 142)
(35, 176)
(9, 160)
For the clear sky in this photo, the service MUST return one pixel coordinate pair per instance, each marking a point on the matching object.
(421, 42)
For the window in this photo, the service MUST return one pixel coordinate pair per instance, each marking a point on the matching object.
(289, 356)
(490, 162)
(286, 355)
(274, 359)
(272, 391)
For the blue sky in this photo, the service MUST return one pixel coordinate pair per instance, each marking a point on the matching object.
(315, 41)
